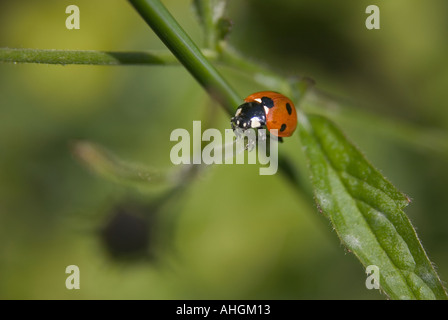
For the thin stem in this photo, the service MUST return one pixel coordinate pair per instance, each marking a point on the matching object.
(180, 44)
(89, 57)
(102, 162)
(205, 13)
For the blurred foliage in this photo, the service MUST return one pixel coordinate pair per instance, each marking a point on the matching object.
(232, 233)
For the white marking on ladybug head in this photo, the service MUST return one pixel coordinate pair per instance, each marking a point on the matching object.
(238, 111)
(255, 123)
(258, 100)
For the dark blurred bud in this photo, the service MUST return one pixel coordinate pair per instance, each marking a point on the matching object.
(127, 233)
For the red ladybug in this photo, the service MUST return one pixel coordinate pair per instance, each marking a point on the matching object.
(266, 109)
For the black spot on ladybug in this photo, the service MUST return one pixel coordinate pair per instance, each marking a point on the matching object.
(283, 127)
(288, 108)
(267, 102)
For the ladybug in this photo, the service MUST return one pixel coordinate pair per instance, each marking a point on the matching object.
(266, 109)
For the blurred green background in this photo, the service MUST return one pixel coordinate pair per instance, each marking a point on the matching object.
(234, 234)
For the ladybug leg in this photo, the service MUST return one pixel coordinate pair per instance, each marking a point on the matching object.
(262, 134)
(252, 139)
(238, 132)
(250, 145)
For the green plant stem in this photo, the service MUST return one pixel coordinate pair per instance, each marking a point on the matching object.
(205, 13)
(180, 44)
(89, 57)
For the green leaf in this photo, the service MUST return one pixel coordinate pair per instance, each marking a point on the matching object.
(365, 210)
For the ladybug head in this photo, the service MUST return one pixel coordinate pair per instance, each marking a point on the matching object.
(249, 115)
